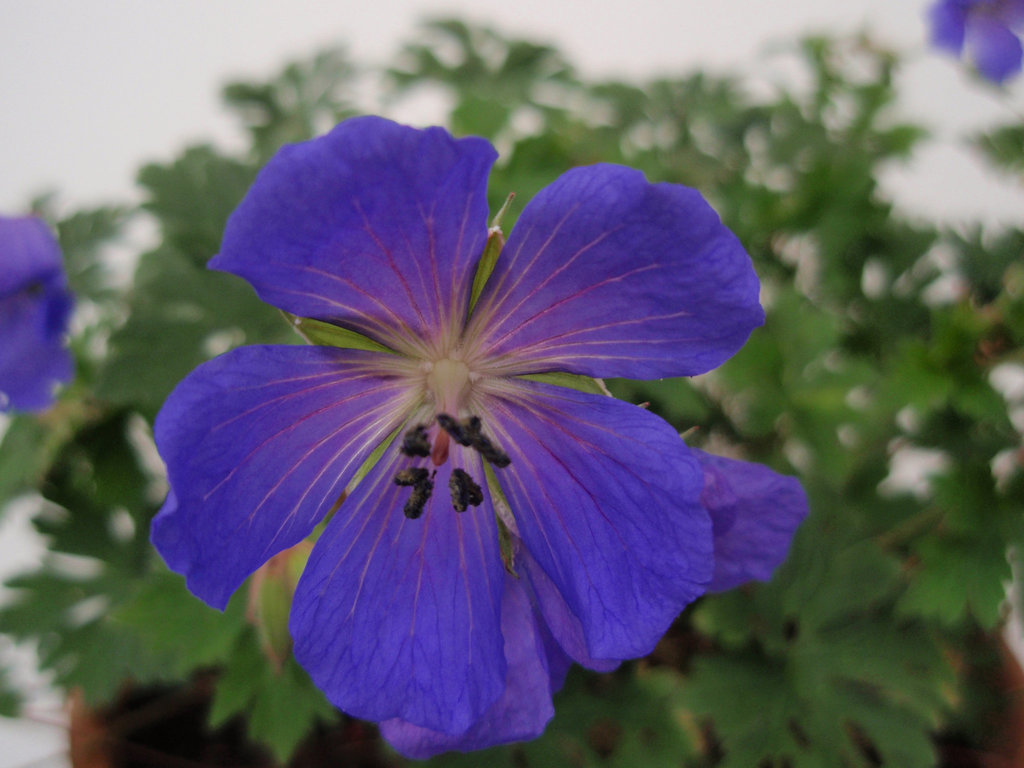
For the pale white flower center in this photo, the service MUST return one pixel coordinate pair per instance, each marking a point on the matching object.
(448, 381)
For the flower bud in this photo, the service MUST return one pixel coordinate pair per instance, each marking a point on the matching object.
(270, 600)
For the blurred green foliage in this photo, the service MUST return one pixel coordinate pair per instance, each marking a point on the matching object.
(882, 335)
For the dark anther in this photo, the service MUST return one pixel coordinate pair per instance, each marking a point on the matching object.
(411, 476)
(422, 486)
(491, 452)
(415, 442)
(418, 499)
(465, 492)
(487, 449)
(469, 433)
(454, 428)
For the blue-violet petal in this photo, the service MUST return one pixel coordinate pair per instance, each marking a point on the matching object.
(375, 227)
(259, 444)
(525, 705)
(605, 496)
(607, 275)
(754, 514)
(400, 618)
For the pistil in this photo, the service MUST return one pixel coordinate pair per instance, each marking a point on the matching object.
(439, 455)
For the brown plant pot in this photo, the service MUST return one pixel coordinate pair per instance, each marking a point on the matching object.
(1004, 745)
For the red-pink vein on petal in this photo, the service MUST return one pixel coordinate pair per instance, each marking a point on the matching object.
(391, 262)
(291, 427)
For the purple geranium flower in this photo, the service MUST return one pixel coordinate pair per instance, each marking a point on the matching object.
(489, 526)
(34, 309)
(989, 29)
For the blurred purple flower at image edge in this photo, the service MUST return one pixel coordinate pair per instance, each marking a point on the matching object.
(988, 30)
(35, 306)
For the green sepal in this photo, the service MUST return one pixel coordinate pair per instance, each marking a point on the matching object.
(489, 258)
(367, 465)
(273, 606)
(363, 471)
(499, 501)
(571, 381)
(328, 335)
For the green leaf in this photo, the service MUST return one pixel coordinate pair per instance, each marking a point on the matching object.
(678, 401)
(97, 658)
(750, 703)
(101, 482)
(1004, 147)
(957, 576)
(621, 720)
(180, 627)
(83, 237)
(102, 489)
(282, 706)
(286, 709)
(307, 97)
(10, 699)
(834, 585)
(822, 583)
(193, 197)
(829, 700)
(239, 681)
(24, 455)
(489, 74)
(477, 115)
(813, 647)
(66, 617)
(181, 315)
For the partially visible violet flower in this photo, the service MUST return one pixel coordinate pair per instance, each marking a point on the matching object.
(487, 522)
(989, 29)
(754, 514)
(35, 305)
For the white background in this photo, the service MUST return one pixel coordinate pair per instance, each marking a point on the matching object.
(90, 89)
